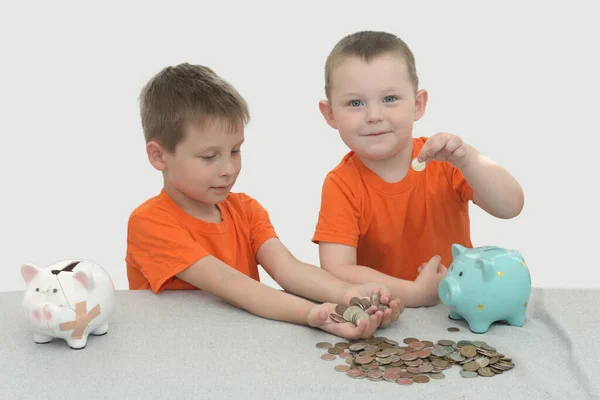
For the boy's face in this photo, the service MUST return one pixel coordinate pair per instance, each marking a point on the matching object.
(373, 105)
(206, 163)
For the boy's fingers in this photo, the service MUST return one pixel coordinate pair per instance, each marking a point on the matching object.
(432, 264)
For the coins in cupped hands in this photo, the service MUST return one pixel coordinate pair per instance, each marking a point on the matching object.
(382, 359)
(356, 310)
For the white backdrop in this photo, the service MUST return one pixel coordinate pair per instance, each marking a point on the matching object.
(517, 80)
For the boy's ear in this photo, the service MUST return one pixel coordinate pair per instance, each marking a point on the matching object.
(327, 112)
(156, 155)
(420, 103)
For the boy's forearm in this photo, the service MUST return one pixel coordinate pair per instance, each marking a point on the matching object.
(312, 282)
(496, 190)
(358, 274)
(262, 300)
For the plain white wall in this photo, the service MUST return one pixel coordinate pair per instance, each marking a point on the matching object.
(517, 80)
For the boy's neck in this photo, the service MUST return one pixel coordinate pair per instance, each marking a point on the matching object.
(392, 169)
(202, 211)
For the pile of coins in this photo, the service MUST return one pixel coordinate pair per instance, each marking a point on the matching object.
(357, 310)
(380, 358)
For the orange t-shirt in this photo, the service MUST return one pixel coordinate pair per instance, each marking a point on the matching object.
(163, 240)
(395, 227)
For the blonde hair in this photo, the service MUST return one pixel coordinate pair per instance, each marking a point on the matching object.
(183, 94)
(368, 45)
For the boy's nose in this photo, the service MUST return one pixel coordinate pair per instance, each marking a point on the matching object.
(228, 169)
(373, 114)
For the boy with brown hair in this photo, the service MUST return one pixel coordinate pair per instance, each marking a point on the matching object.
(195, 234)
(395, 204)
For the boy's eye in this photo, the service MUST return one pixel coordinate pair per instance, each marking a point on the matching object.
(355, 103)
(236, 151)
(389, 99)
(207, 157)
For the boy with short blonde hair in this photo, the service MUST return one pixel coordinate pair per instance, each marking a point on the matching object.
(394, 205)
(196, 234)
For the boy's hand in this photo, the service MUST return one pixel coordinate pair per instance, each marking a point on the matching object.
(445, 147)
(318, 317)
(428, 281)
(396, 307)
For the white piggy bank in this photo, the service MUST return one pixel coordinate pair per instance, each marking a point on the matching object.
(69, 299)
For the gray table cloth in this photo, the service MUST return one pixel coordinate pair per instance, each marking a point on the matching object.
(190, 344)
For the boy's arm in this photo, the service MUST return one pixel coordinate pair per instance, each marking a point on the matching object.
(214, 276)
(340, 260)
(316, 283)
(495, 190)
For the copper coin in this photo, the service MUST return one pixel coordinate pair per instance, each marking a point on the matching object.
(327, 357)
(342, 368)
(337, 318)
(335, 350)
(373, 348)
(345, 355)
(409, 340)
(408, 356)
(392, 342)
(342, 345)
(439, 375)
(404, 381)
(446, 342)
(324, 345)
(393, 370)
(370, 366)
(424, 353)
(420, 379)
(355, 373)
(405, 374)
(367, 353)
(414, 363)
(383, 354)
(340, 308)
(427, 343)
(374, 374)
(355, 301)
(395, 358)
(413, 370)
(416, 345)
(425, 368)
(357, 346)
(453, 329)
(363, 360)
(391, 377)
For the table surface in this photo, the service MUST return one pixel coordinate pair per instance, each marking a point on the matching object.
(180, 344)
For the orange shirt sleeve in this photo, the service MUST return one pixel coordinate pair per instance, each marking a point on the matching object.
(261, 228)
(160, 247)
(458, 183)
(339, 215)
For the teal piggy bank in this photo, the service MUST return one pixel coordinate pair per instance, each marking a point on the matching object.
(486, 284)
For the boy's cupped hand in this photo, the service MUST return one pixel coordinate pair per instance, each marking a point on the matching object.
(318, 317)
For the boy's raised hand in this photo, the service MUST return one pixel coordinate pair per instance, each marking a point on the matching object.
(318, 317)
(396, 307)
(428, 281)
(445, 147)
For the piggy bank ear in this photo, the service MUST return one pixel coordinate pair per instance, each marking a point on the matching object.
(85, 279)
(29, 271)
(486, 269)
(457, 249)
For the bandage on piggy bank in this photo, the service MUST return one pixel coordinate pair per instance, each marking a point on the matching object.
(69, 300)
(486, 284)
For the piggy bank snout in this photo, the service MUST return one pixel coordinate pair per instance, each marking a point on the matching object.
(448, 291)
